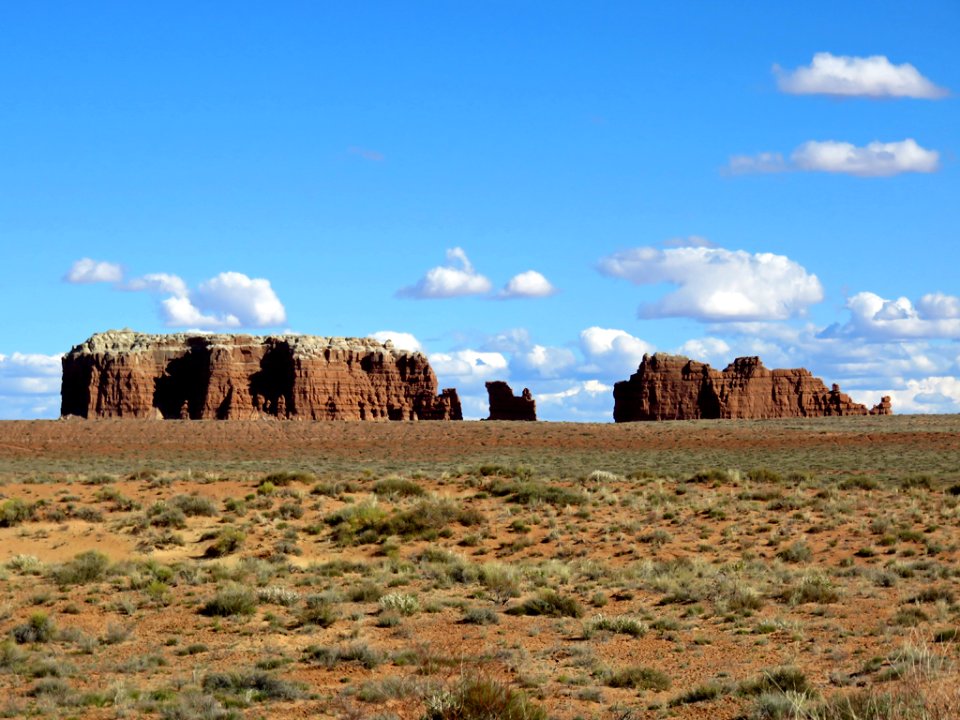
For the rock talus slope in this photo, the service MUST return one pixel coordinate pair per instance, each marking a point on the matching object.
(184, 376)
(504, 405)
(672, 387)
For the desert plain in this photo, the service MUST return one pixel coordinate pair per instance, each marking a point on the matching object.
(697, 569)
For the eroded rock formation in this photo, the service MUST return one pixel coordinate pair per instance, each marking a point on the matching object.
(504, 405)
(183, 376)
(672, 387)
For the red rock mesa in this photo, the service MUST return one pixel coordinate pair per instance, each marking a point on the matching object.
(183, 376)
(672, 387)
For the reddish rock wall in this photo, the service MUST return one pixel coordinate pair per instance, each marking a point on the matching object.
(672, 387)
(128, 374)
(504, 405)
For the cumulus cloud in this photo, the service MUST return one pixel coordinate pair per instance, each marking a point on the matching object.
(158, 283)
(544, 361)
(585, 401)
(250, 301)
(717, 284)
(455, 279)
(470, 367)
(86, 271)
(934, 394)
(529, 284)
(29, 385)
(612, 352)
(707, 349)
(400, 340)
(876, 159)
(875, 318)
(849, 76)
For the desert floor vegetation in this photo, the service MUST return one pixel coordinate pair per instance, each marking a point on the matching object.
(786, 569)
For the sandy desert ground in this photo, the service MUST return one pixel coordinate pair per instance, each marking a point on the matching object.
(716, 569)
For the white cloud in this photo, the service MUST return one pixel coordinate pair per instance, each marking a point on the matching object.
(469, 367)
(844, 75)
(180, 312)
(30, 374)
(529, 284)
(159, 283)
(612, 352)
(85, 271)
(29, 386)
(939, 306)
(234, 295)
(400, 340)
(875, 318)
(544, 361)
(765, 162)
(876, 159)
(934, 394)
(717, 284)
(455, 279)
(584, 401)
(707, 349)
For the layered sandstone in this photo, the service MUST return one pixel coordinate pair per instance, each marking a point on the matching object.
(504, 405)
(672, 387)
(197, 376)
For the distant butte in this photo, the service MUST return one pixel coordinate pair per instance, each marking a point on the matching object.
(504, 405)
(673, 387)
(204, 376)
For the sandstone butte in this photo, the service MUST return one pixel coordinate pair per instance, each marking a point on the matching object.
(672, 387)
(504, 405)
(126, 374)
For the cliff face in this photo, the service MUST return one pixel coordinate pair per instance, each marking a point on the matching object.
(128, 374)
(672, 387)
(504, 405)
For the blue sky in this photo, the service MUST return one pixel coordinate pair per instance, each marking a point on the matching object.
(681, 177)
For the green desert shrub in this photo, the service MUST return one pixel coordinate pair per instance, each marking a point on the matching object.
(398, 487)
(194, 505)
(87, 567)
(161, 514)
(549, 603)
(39, 628)
(330, 656)
(318, 610)
(231, 600)
(14, 511)
(228, 540)
(256, 684)
(638, 678)
(526, 492)
(475, 698)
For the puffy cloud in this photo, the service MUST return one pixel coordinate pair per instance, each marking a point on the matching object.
(844, 75)
(934, 394)
(875, 318)
(529, 284)
(611, 351)
(717, 284)
(470, 367)
(159, 283)
(85, 271)
(876, 159)
(585, 401)
(544, 361)
(29, 374)
(707, 349)
(29, 385)
(181, 312)
(939, 306)
(400, 340)
(234, 295)
(455, 279)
